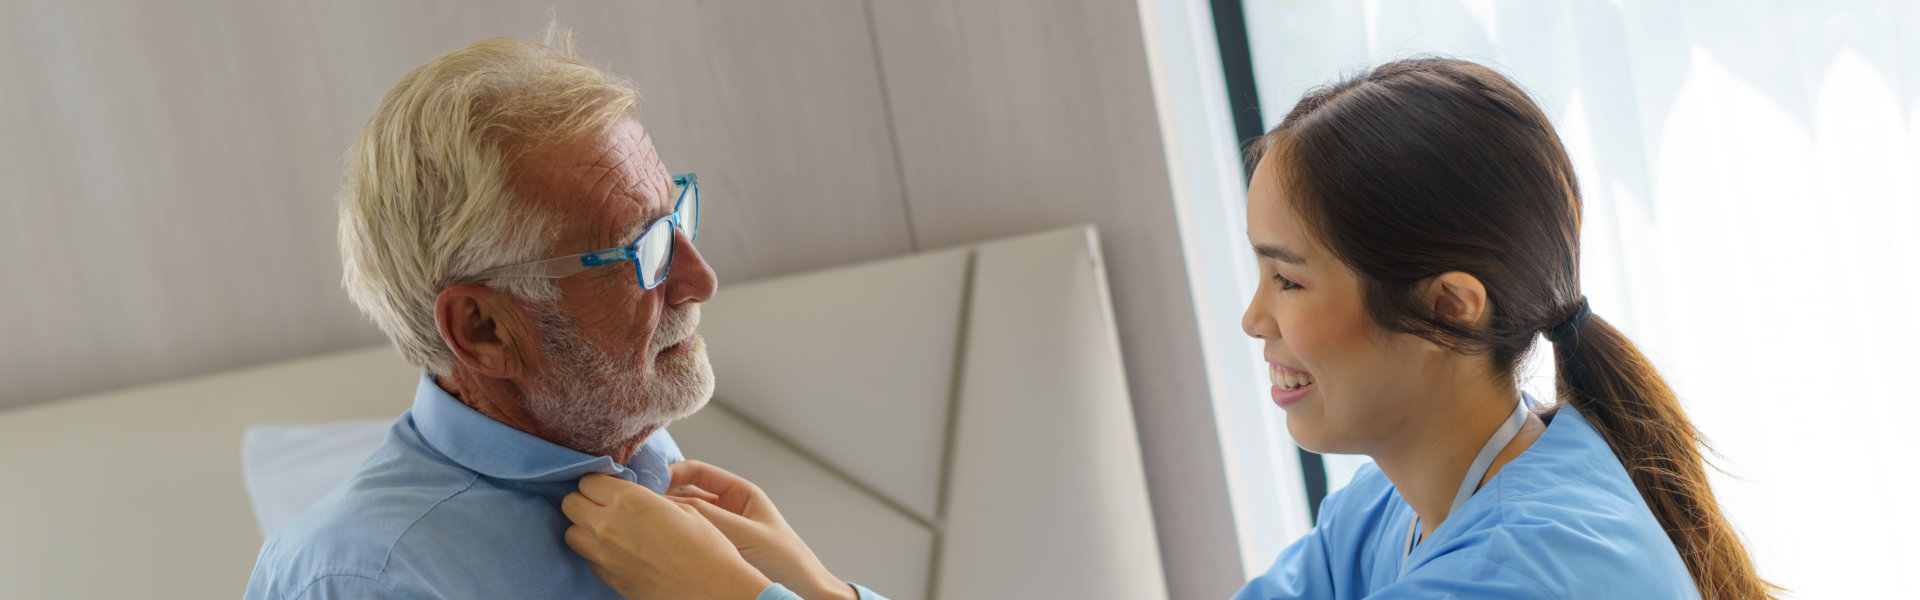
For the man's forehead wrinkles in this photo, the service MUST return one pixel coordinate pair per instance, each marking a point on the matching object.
(608, 160)
(652, 170)
(625, 171)
(641, 160)
(608, 174)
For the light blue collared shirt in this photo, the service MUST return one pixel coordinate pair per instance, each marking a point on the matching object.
(452, 505)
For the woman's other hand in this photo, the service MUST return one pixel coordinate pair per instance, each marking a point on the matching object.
(646, 546)
(748, 518)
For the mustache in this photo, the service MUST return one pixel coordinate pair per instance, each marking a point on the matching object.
(675, 325)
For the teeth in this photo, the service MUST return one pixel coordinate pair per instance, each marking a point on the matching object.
(1289, 381)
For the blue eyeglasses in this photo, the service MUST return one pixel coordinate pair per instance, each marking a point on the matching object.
(651, 253)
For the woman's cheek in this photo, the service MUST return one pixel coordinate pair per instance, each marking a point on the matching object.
(1301, 331)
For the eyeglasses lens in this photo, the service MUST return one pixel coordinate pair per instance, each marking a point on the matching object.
(656, 254)
(689, 214)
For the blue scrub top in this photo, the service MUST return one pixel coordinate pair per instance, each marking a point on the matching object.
(1560, 521)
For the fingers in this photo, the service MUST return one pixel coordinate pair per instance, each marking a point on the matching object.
(687, 490)
(738, 529)
(734, 492)
(686, 507)
(579, 508)
(707, 477)
(625, 496)
(584, 542)
(602, 489)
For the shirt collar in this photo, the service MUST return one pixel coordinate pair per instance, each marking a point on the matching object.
(1571, 449)
(496, 450)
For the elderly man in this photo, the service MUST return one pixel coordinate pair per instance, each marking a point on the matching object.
(508, 224)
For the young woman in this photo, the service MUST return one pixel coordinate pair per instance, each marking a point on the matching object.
(1417, 228)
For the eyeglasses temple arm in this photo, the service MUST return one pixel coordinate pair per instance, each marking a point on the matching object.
(552, 268)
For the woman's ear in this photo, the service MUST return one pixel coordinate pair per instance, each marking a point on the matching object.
(1460, 298)
(477, 324)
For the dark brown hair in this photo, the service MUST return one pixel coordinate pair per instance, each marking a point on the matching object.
(1425, 166)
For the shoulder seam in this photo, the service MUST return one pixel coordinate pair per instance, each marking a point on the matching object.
(324, 576)
(387, 559)
(1582, 476)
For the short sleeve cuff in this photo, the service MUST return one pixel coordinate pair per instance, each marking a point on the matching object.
(866, 594)
(778, 592)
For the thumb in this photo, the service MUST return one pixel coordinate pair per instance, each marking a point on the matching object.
(739, 530)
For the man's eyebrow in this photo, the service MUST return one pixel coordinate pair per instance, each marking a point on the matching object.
(632, 231)
(1279, 253)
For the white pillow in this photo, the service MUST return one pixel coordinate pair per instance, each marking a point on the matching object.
(289, 467)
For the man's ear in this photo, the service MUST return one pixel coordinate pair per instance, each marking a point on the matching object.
(1460, 298)
(479, 325)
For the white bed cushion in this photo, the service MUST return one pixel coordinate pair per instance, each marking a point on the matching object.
(288, 468)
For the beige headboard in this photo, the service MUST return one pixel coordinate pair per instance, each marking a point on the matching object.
(953, 424)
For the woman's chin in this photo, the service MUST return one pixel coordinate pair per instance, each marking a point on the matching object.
(1305, 432)
(1311, 433)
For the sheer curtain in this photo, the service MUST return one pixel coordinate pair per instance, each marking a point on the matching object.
(1751, 172)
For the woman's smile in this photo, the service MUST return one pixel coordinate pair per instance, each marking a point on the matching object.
(1289, 385)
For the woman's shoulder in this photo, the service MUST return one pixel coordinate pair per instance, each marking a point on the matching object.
(1573, 549)
(1568, 539)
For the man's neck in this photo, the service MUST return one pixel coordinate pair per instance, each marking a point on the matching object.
(503, 401)
(1428, 463)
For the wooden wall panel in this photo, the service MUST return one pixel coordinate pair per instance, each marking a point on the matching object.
(167, 200)
(778, 106)
(168, 169)
(1014, 116)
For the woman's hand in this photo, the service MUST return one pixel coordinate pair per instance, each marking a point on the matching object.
(646, 546)
(748, 518)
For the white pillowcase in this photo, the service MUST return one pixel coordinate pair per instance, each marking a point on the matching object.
(288, 468)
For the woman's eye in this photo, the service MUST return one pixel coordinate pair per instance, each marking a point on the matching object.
(1285, 284)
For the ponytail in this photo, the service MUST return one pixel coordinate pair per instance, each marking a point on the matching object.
(1617, 389)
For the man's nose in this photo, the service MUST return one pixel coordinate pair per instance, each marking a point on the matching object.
(690, 279)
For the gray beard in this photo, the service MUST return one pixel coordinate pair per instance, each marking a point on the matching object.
(596, 403)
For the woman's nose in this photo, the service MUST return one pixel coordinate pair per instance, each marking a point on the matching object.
(1257, 323)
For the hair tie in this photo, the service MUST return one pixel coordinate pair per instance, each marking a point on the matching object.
(1568, 328)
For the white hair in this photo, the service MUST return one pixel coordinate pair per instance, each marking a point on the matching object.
(425, 200)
